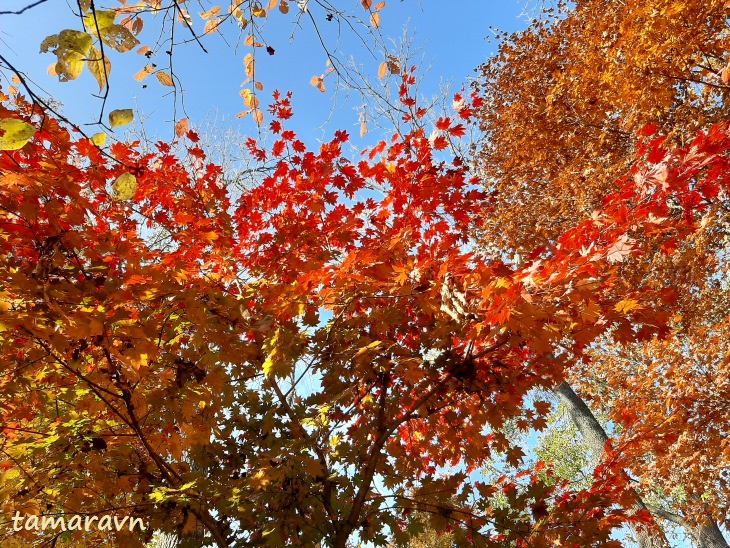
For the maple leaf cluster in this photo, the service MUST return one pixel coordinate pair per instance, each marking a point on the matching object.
(163, 378)
(589, 77)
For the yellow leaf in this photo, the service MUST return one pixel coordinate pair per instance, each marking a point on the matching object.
(379, 6)
(272, 4)
(117, 37)
(99, 18)
(99, 139)
(375, 20)
(125, 186)
(164, 78)
(15, 133)
(71, 48)
(99, 67)
(363, 129)
(258, 117)
(120, 117)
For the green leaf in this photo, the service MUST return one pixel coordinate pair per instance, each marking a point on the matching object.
(15, 133)
(120, 117)
(125, 186)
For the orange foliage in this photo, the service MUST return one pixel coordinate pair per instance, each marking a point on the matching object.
(154, 377)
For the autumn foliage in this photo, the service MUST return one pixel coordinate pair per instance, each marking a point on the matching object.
(163, 378)
(563, 103)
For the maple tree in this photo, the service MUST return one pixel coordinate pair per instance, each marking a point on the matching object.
(166, 382)
(589, 77)
(564, 100)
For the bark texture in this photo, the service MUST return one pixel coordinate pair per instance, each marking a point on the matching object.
(707, 535)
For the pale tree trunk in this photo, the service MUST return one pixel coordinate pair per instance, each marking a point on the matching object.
(707, 535)
(595, 437)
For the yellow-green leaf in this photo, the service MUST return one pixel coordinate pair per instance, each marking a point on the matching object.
(15, 133)
(125, 186)
(120, 117)
(101, 18)
(117, 37)
(99, 139)
(72, 49)
(99, 67)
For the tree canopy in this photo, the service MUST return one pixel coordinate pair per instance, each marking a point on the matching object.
(336, 353)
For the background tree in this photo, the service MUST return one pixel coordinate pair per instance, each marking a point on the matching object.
(589, 78)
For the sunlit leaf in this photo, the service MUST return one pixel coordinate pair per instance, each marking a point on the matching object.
(164, 78)
(382, 70)
(215, 10)
(181, 127)
(15, 133)
(125, 186)
(72, 49)
(100, 67)
(144, 73)
(211, 26)
(117, 37)
(99, 139)
(120, 117)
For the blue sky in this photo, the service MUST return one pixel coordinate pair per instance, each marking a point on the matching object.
(453, 37)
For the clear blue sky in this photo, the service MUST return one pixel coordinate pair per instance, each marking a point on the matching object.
(452, 35)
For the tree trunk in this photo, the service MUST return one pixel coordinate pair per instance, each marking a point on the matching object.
(706, 535)
(596, 438)
(709, 536)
